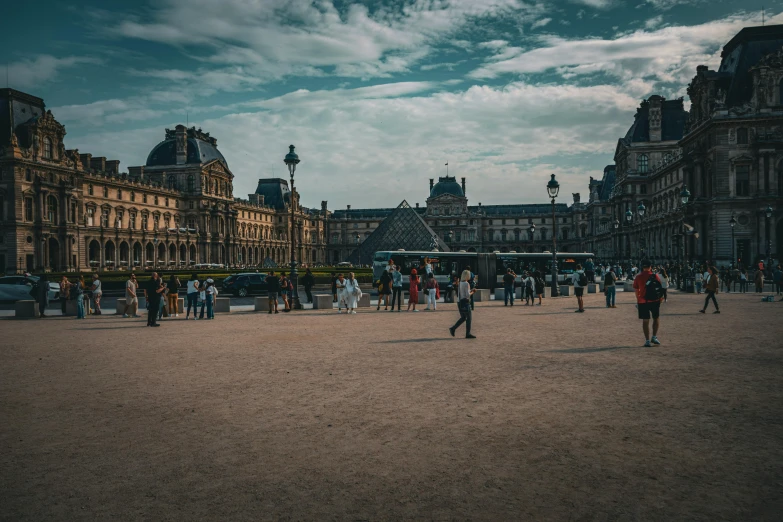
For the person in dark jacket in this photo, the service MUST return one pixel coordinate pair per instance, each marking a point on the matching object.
(308, 281)
(173, 295)
(384, 289)
(43, 294)
(154, 295)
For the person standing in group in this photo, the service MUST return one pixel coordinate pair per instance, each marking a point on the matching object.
(413, 292)
(384, 290)
(193, 285)
(42, 295)
(78, 291)
(648, 289)
(173, 295)
(154, 294)
(743, 280)
(211, 292)
(528, 286)
(610, 289)
(202, 299)
(465, 313)
(508, 286)
(341, 297)
(580, 282)
(396, 276)
(334, 289)
(698, 281)
(97, 293)
(759, 280)
(308, 280)
(590, 270)
(427, 266)
(431, 291)
(352, 293)
(131, 299)
(65, 291)
(664, 277)
(285, 291)
(273, 288)
(777, 279)
(473, 284)
(163, 305)
(539, 281)
(711, 287)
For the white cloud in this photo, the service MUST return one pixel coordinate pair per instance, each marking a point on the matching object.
(30, 73)
(668, 4)
(540, 23)
(375, 146)
(653, 22)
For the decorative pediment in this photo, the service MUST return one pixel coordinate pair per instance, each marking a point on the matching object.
(743, 158)
(217, 168)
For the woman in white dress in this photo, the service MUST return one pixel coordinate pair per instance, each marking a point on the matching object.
(341, 297)
(352, 293)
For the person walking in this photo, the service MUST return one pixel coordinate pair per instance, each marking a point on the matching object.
(590, 270)
(698, 281)
(202, 299)
(341, 297)
(65, 292)
(43, 294)
(97, 293)
(131, 298)
(352, 293)
(154, 290)
(777, 279)
(163, 305)
(648, 290)
(465, 313)
(273, 288)
(173, 295)
(664, 277)
(610, 289)
(193, 285)
(285, 292)
(759, 280)
(396, 276)
(743, 280)
(580, 282)
(539, 286)
(508, 286)
(431, 291)
(334, 289)
(78, 291)
(384, 290)
(711, 288)
(528, 286)
(413, 292)
(308, 280)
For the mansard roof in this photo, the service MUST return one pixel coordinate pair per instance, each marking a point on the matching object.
(673, 116)
(201, 149)
(516, 210)
(743, 52)
(276, 192)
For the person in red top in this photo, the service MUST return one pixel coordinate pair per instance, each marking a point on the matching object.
(647, 303)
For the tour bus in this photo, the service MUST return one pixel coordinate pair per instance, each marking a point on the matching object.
(489, 267)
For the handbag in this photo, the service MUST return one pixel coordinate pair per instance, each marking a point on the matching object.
(426, 291)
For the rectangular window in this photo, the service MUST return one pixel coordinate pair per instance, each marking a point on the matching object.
(190, 205)
(143, 198)
(742, 186)
(28, 209)
(90, 216)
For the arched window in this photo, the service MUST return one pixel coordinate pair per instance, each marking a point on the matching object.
(172, 183)
(642, 163)
(742, 136)
(47, 148)
(191, 183)
(51, 209)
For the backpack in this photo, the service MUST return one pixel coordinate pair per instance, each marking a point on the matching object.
(582, 279)
(529, 283)
(653, 290)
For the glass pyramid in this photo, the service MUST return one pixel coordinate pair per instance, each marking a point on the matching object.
(403, 228)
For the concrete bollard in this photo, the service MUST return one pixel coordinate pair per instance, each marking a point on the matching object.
(142, 301)
(322, 302)
(222, 305)
(591, 288)
(121, 305)
(261, 304)
(601, 286)
(500, 294)
(26, 310)
(565, 290)
(364, 301)
(70, 307)
(481, 295)
(180, 305)
(628, 286)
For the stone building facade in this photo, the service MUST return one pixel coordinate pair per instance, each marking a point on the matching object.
(64, 210)
(728, 152)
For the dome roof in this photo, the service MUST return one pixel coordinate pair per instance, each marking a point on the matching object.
(201, 149)
(447, 185)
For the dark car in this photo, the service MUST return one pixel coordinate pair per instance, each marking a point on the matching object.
(245, 284)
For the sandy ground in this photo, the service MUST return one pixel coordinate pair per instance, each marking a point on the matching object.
(548, 415)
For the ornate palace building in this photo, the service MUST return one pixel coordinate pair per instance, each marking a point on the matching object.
(728, 152)
(62, 210)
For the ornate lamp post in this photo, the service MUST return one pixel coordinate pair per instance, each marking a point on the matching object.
(616, 226)
(553, 189)
(732, 224)
(532, 230)
(768, 214)
(685, 197)
(641, 209)
(292, 160)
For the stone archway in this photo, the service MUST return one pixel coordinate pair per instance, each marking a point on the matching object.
(136, 254)
(109, 254)
(150, 255)
(192, 257)
(124, 254)
(94, 254)
(183, 254)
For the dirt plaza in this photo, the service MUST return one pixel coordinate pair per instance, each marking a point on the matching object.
(548, 415)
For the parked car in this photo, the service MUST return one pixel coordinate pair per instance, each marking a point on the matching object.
(242, 285)
(18, 288)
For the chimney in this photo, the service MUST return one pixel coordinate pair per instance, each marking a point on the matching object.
(98, 164)
(349, 207)
(181, 140)
(577, 197)
(463, 187)
(417, 205)
(113, 167)
(136, 173)
(654, 117)
(432, 184)
(86, 161)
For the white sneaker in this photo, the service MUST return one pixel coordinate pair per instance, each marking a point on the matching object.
(176, 315)
(647, 344)
(655, 340)
(339, 311)
(416, 310)
(125, 315)
(353, 312)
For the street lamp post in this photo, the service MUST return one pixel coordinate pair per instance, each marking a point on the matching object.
(641, 209)
(732, 224)
(532, 230)
(768, 214)
(685, 196)
(553, 189)
(292, 160)
(614, 242)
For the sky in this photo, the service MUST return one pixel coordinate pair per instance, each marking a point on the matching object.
(376, 95)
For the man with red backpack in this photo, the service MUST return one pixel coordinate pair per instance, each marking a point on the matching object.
(649, 292)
